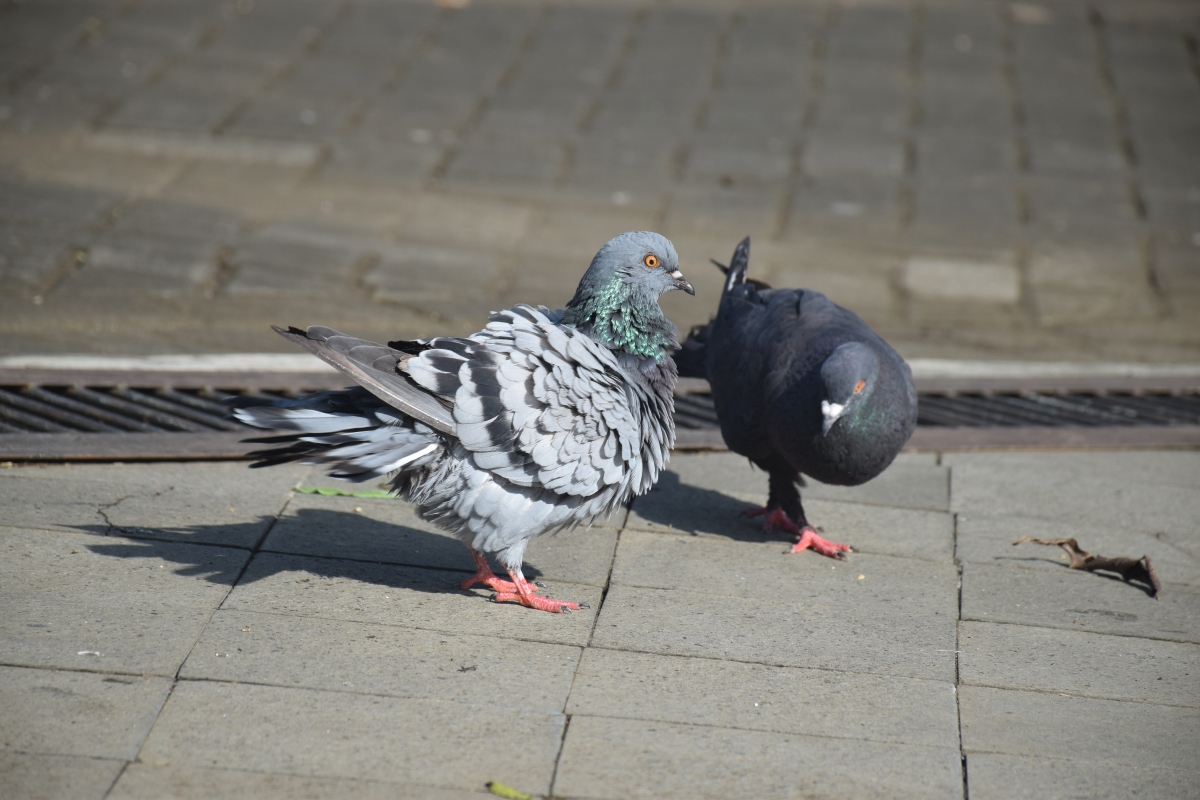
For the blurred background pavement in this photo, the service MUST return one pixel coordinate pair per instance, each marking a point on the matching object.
(976, 179)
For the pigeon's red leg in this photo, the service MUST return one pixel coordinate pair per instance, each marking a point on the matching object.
(809, 538)
(524, 594)
(776, 518)
(483, 574)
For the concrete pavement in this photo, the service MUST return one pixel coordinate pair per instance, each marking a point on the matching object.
(977, 179)
(204, 630)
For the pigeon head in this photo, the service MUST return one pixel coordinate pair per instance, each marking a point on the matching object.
(849, 375)
(617, 299)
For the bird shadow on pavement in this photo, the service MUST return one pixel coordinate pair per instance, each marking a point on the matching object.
(324, 543)
(682, 508)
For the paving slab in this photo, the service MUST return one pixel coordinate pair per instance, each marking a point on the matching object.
(210, 503)
(1078, 600)
(56, 712)
(870, 289)
(107, 603)
(727, 694)
(1138, 491)
(361, 658)
(364, 737)
(1057, 726)
(752, 603)
(142, 781)
(1001, 775)
(852, 208)
(618, 758)
(39, 777)
(408, 597)
(1079, 663)
(389, 531)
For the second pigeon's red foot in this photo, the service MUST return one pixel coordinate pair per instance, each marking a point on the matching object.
(809, 538)
(776, 518)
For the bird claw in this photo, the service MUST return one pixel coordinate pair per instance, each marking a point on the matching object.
(810, 539)
(536, 601)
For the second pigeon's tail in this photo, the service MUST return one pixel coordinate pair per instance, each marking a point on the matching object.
(692, 356)
(739, 263)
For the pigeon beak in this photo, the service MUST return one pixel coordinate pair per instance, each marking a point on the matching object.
(831, 412)
(681, 283)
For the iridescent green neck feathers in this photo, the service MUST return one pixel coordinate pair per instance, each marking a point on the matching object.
(620, 316)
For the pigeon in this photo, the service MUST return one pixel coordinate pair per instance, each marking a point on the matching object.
(801, 386)
(541, 421)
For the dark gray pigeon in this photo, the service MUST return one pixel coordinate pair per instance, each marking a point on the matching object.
(801, 386)
(541, 421)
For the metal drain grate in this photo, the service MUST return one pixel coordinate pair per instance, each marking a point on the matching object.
(116, 416)
(1041, 409)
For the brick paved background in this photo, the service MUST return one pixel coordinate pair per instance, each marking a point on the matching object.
(976, 179)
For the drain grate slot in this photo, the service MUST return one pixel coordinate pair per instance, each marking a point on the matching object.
(120, 415)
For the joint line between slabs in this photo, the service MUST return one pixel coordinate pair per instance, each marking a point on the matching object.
(208, 619)
(962, 753)
(448, 631)
(562, 743)
(771, 664)
(1076, 695)
(1084, 630)
(798, 734)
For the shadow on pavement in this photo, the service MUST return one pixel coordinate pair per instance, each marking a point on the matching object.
(691, 510)
(365, 549)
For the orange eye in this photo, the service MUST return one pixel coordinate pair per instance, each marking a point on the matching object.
(858, 386)
(651, 261)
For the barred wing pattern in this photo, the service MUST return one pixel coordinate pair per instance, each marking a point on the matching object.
(543, 406)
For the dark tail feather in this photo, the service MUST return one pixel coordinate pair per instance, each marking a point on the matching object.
(735, 274)
(692, 356)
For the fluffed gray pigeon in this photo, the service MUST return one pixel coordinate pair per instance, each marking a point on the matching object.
(541, 421)
(801, 386)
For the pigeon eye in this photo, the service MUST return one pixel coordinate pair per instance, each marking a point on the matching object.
(651, 261)
(858, 387)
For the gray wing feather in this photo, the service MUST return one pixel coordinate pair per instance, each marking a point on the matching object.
(375, 368)
(537, 404)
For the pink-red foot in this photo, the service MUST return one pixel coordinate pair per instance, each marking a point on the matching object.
(776, 518)
(524, 594)
(536, 601)
(809, 538)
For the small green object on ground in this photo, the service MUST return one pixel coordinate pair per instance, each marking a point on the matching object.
(372, 494)
(500, 790)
